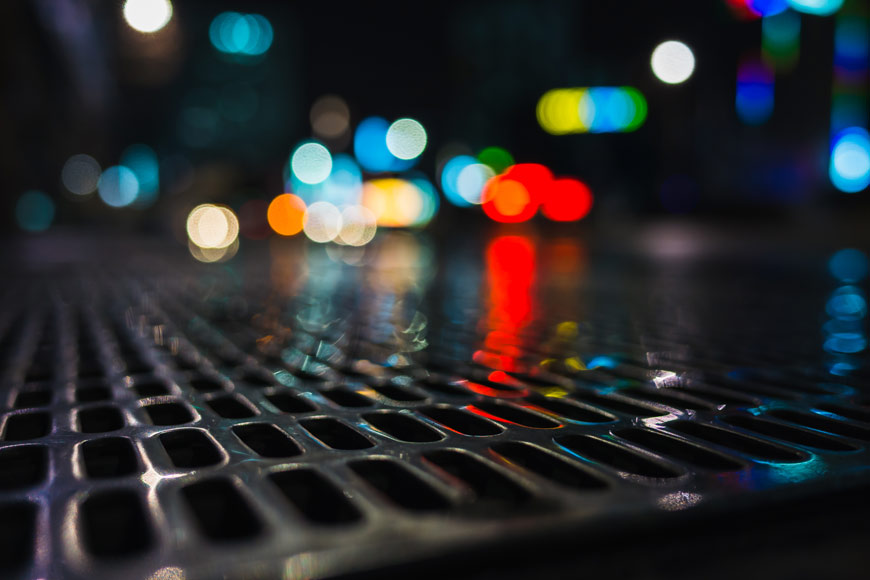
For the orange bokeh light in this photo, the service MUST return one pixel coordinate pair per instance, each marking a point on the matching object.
(285, 214)
(508, 201)
(567, 200)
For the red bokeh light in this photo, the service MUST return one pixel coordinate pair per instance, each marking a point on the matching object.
(567, 200)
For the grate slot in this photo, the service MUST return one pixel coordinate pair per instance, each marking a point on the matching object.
(346, 398)
(335, 434)
(190, 448)
(267, 440)
(679, 449)
(150, 388)
(27, 426)
(399, 485)
(854, 413)
(290, 403)
(462, 421)
(256, 379)
(100, 419)
(547, 465)
(716, 396)
(169, 413)
(736, 441)
(403, 427)
(669, 400)
(115, 524)
(488, 485)
(22, 466)
(17, 533)
(316, 498)
(230, 407)
(93, 394)
(35, 398)
(787, 433)
(445, 388)
(205, 385)
(109, 457)
(618, 406)
(222, 514)
(821, 423)
(615, 456)
(510, 414)
(572, 411)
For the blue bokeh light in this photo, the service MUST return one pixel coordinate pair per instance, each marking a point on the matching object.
(849, 168)
(754, 100)
(241, 34)
(34, 211)
(370, 147)
(768, 7)
(817, 7)
(450, 179)
(142, 161)
(118, 186)
(849, 265)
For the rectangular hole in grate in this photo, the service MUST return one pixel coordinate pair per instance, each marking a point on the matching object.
(39, 371)
(403, 427)
(335, 434)
(516, 415)
(347, 398)
(190, 448)
(91, 394)
(256, 379)
(399, 485)
(35, 398)
(230, 407)
(445, 388)
(461, 421)
(90, 366)
(572, 411)
(745, 444)
(666, 399)
(827, 424)
(398, 393)
(316, 498)
(854, 413)
(205, 385)
(488, 484)
(150, 388)
(100, 419)
(17, 532)
(109, 457)
(716, 396)
(267, 440)
(23, 466)
(788, 433)
(220, 510)
(618, 406)
(617, 457)
(547, 465)
(168, 414)
(290, 403)
(115, 524)
(27, 426)
(682, 450)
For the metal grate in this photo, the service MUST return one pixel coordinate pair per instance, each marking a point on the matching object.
(166, 422)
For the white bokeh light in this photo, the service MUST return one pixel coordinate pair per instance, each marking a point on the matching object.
(406, 139)
(321, 222)
(147, 15)
(311, 163)
(672, 62)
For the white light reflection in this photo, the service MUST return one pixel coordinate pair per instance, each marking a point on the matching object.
(406, 139)
(672, 62)
(321, 222)
(147, 15)
(679, 500)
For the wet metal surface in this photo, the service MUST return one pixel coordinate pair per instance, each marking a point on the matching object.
(304, 411)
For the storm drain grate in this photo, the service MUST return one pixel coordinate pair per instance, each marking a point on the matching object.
(198, 424)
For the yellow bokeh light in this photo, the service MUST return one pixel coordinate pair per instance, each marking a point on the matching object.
(211, 226)
(395, 202)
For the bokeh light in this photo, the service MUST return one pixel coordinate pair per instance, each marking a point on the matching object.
(241, 34)
(118, 186)
(754, 100)
(395, 202)
(567, 200)
(147, 15)
(370, 147)
(591, 109)
(817, 7)
(142, 161)
(430, 199)
(768, 8)
(780, 39)
(358, 226)
(311, 163)
(450, 178)
(471, 180)
(321, 222)
(672, 62)
(34, 211)
(496, 158)
(213, 255)
(849, 169)
(80, 174)
(508, 201)
(849, 265)
(285, 214)
(406, 139)
(330, 117)
(212, 226)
